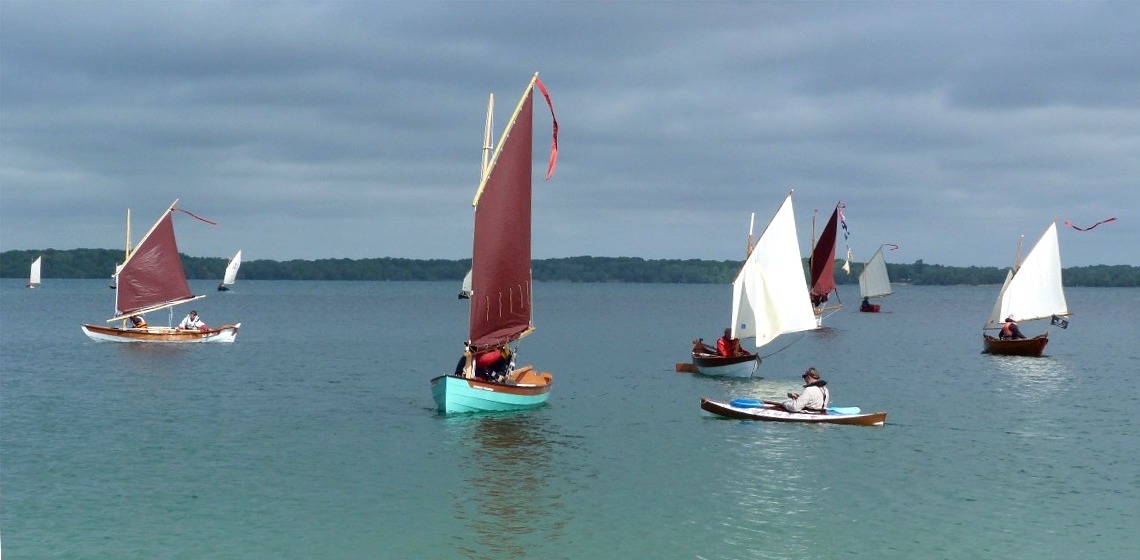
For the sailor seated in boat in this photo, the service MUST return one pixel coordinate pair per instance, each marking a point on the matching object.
(866, 305)
(138, 322)
(727, 346)
(699, 347)
(815, 397)
(493, 365)
(1010, 330)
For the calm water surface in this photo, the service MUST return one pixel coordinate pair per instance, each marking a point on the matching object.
(315, 435)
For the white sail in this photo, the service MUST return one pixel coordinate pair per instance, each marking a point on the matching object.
(232, 270)
(34, 275)
(873, 281)
(770, 296)
(1033, 290)
(465, 288)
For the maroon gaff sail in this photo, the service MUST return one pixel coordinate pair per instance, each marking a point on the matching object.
(500, 260)
(823, 261)
(152, 277)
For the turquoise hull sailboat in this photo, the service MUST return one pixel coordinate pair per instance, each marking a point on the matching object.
(501, 285)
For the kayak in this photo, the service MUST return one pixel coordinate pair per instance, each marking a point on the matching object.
(749, 409)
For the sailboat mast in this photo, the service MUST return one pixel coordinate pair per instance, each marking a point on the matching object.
(503, 137)
(128, 249)
(751, 227)
(1017, 258)
(488, 147)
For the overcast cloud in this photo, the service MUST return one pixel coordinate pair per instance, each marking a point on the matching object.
(353, 129)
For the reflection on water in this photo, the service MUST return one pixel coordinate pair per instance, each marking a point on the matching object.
(506, 502)
(770, 493)
(1037, 379)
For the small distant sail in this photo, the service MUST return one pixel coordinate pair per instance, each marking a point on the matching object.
(34, 276)
(465, 289)
(231, 273)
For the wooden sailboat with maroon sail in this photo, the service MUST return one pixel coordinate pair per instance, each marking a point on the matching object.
(822, 264)
(1032, 291)
(501, 310)
(152, 279)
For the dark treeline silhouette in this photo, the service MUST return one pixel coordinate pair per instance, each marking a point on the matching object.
(99, 263)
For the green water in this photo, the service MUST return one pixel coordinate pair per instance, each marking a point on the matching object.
(314, 435)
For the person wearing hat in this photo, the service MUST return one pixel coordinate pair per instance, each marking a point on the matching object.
(815, 397)
(191, 322)
(1010, 330)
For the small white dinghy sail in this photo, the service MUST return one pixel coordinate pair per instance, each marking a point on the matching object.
(769, 296)
(874, 281)
(231, 273)
(34, 274)
(1032, 291)
(465, 287)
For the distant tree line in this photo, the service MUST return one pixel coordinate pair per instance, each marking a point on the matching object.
(100, 263)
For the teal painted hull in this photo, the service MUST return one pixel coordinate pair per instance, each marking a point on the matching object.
(457, 395)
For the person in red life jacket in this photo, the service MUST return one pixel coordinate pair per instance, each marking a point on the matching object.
(1010, 330)
(493, 365)
(727, 346)
(138, 322)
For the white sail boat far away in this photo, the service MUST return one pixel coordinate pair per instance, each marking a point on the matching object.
(231, 273)
(34, 275)
(874, 282)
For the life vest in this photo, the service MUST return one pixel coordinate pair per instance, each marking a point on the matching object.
(1006, 329)
(487, 359)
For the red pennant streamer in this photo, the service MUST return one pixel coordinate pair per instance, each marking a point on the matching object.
(196, 216)
(554, 143)
(1070, 224)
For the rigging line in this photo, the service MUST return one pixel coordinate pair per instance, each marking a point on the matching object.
(784, 348)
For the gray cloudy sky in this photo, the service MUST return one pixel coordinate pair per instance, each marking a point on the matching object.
(353, 129)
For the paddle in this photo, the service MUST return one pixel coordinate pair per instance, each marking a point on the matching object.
(753, 403)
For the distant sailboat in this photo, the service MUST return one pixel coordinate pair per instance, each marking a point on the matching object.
(465, 288)
(822, 265)
(1033, 290)
(231, 273)
(874, 282)
(151, 279)
(34, 274)
(769, 297)
(501, 305)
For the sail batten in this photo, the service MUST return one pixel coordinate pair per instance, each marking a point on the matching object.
(874, 281)
(770, 296)
(1034, 290)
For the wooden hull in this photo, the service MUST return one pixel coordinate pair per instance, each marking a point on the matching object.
(1016, 347)
(773, 413)
(224, 333)
(720, 366)
(454, 394)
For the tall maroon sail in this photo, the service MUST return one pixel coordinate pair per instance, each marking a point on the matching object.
(152, 277)
(500, 261)
(823, 261)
